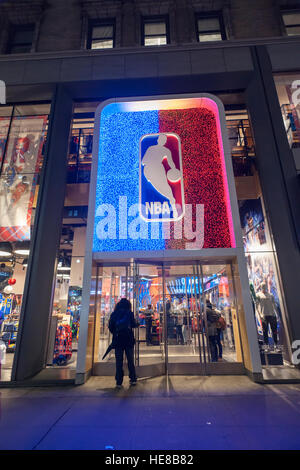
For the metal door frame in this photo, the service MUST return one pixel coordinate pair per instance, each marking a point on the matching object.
(155, 368)
(201, 367)
(204, 366)
(98, 367)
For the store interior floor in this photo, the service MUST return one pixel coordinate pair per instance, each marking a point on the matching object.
(154, 354)
(178, 412)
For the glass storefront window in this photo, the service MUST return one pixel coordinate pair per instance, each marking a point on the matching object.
(23, 131)
(288, 91)
(264, 283)
(80, 151)
(258, 245)
(241, 143)
(263, 274)
(5, 119)
(66, 308)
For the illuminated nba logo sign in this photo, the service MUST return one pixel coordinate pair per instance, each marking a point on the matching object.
(161, 194)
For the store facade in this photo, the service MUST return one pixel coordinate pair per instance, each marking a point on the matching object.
(162, 212)
(222, 237)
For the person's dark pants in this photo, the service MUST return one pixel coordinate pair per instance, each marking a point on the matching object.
(148, 331)
(272, 320)
(219, 344)
(213, 348)
(119, 353)
(179, 333)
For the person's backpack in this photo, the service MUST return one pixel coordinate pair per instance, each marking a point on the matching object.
(221, 323)
(123, 326)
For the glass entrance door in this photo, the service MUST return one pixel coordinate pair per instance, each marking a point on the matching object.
(112, 283)
(149, 309)
(202, 319)
(143, 285)
(187, 315)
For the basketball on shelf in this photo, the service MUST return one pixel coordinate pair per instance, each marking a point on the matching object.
(173, 175)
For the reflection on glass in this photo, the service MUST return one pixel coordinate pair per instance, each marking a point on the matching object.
(156, 41)
(264, 283)
(288, 86)
(210, 37)
(66, 310)
(150, 347)
(203, 318)
(112, 284)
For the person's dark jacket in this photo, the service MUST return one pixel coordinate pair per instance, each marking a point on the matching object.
(212, 317)
(148, 314)
(125, 338)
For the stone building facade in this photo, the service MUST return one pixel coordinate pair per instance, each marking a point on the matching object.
(62, 26)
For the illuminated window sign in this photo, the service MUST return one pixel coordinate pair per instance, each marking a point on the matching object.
(161, 176)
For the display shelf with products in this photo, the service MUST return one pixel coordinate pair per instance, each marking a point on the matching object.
(63, 345)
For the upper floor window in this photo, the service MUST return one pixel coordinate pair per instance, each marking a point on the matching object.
(101, 35)
(210, 27)
(291, 21)
(155, 31)
(21, 39)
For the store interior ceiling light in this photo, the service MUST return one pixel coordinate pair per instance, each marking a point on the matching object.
(64, 276)
(22, 248)
(22, 252)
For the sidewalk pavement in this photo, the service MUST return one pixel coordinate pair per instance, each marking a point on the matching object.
(174, 413)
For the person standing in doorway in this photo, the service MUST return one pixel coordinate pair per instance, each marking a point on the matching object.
(179, 314)
(121, 326)
(221, 326)
(212, 318)
(148, 319)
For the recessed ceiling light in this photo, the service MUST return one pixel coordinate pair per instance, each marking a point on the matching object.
(22, 248)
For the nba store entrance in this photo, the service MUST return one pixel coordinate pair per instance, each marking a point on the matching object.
(169, 302)
(164, 231)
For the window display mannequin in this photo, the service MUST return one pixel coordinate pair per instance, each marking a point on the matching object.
(6, 303)
(267, 309)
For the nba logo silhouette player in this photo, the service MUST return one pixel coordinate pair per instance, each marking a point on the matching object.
(168, 197)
